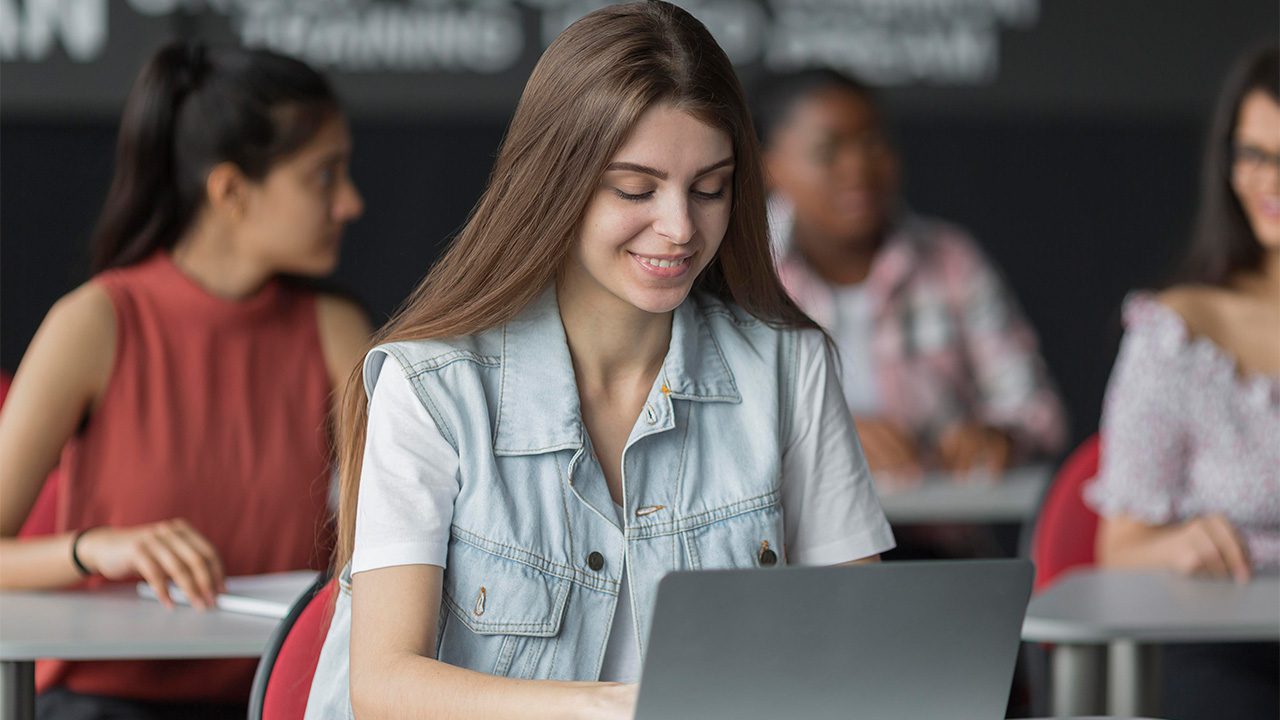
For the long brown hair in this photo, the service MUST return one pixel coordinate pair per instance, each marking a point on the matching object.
(584, 96)
(1223, 242)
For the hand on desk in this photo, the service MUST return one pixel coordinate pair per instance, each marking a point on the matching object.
(964, 449)
(890, 450)
(1205, 545)
(157, 552)
(970, 447)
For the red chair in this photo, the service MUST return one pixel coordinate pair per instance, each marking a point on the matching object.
(1067, 528)
(283, 680)
(43, 516)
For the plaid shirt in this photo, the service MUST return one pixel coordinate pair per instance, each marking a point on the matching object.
(948, 340)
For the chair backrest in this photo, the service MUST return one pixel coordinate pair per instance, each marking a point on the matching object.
(283, 680)
(1066, 529)
(43, 516)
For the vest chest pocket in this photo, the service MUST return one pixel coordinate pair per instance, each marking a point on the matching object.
(499, 616)
(745, 540)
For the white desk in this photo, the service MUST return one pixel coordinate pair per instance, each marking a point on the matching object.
(1126, 613)
(110, 625)
(939, 498)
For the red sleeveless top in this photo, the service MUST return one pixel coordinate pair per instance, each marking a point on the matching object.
(216, 412)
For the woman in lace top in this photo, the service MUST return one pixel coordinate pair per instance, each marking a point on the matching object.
(1190, 475)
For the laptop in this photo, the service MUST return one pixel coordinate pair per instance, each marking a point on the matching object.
(884, 641)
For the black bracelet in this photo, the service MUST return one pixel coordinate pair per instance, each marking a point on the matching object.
(75, 555)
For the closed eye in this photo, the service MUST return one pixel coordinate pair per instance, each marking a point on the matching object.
(633, 197)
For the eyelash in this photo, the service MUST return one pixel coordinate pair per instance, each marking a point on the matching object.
(641, 197)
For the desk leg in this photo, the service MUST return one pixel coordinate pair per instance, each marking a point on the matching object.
(1077, 680)
(17, 690)
(1133, 679)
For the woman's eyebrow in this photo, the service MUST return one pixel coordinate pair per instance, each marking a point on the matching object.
(661, 175)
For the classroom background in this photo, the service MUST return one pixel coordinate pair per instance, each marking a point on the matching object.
(1065, 135)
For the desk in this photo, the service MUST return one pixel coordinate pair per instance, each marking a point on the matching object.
(1126, 613)
(112, 624)
(939, 498)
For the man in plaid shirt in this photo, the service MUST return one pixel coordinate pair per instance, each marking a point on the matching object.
(941, 369)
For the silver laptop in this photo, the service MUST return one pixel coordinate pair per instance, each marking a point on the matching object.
(909, 640)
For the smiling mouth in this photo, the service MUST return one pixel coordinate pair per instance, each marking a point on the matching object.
(663, 262)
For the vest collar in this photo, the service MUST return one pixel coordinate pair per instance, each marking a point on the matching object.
(538, 408)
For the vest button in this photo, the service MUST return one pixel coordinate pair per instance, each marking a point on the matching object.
(650, 415)
(595, 561)
(768, 558)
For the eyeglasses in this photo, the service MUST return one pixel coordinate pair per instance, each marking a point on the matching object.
(1252, 159)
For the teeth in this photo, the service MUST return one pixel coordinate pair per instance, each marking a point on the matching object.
(661, 263)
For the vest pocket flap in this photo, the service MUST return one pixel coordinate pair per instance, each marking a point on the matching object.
(493, 595)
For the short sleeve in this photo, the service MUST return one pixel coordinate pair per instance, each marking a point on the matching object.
(830, 508)
(408, 482)
(1143, 433)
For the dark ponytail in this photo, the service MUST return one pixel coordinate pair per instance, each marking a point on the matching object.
(189, 110)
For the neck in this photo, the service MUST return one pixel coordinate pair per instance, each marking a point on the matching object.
(209, 258)
(837, 261)
(614, 348)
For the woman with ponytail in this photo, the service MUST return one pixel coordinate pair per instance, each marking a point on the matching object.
(600, 382)
(187, 385)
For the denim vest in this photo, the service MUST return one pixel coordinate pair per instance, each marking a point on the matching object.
(536, 551)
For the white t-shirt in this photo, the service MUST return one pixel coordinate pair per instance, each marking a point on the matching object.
(853, 334)
(409, 483)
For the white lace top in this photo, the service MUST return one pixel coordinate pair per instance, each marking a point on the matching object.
(1184, 434)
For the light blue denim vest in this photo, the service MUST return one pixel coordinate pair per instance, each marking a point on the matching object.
(522, 596)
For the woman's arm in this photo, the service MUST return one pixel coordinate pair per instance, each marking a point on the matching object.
(61, 376)
(394, 674)
(61, 379)
(1206, 545)
(344, 338)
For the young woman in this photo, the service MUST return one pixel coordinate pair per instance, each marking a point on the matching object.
(601, 381)
(186, 386)
(1190, 475)
(941, 369)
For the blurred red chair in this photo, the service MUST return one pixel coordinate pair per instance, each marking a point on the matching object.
(1067, 528)
(43, 516)
(283, 680)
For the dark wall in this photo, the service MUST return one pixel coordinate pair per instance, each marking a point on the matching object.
(1075, 211)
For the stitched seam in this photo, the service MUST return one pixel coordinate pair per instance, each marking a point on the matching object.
(438, 362)
(520, 555)
(693, 522)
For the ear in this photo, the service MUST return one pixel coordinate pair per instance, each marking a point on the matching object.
(227, 190)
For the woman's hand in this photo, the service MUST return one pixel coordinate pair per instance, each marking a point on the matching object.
(157, 552)
(973, 447)
(610, 701)
(890, 451)
(1207, 545)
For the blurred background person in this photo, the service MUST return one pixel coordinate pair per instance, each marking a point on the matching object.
(186, 385)
(940, 368)
(1190, 469)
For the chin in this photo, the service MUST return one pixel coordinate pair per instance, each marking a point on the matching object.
(658, 302)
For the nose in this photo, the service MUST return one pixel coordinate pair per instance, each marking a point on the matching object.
(674, 220)
(348, 205)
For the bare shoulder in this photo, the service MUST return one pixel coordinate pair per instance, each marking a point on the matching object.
(73, 352)
(344, 334)
(83, 318)
(1200, 306)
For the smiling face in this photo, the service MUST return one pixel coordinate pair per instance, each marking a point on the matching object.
(831, 160)
(657, 217)
(294, 217)
(1255, 170)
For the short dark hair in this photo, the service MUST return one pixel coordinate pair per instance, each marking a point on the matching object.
(1223, 242)
(190, 109)
(779, 95)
